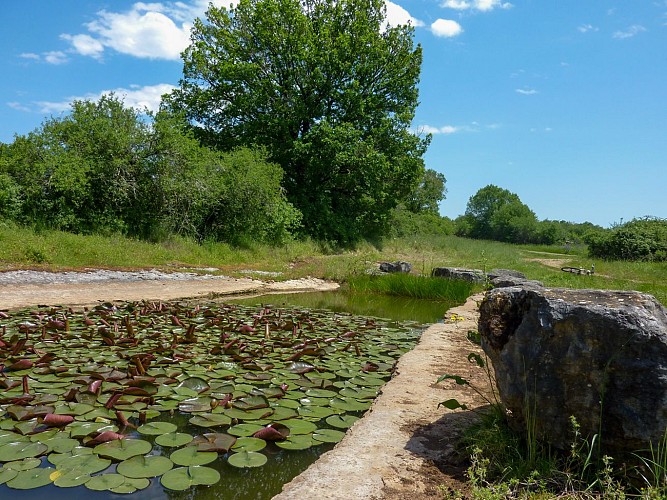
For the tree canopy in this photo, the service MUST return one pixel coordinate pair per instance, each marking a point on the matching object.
(328, 88)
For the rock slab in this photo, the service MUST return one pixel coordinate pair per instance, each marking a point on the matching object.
(600, 356)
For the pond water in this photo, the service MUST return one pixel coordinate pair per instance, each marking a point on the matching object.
(283, 464)
(363, 304)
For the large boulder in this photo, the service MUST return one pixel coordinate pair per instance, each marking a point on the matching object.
(395, 267)
(457, 273)
(600, 356)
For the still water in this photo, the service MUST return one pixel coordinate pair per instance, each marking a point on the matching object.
(264, 482)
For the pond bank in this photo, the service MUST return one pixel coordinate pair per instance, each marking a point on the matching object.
(400, 448)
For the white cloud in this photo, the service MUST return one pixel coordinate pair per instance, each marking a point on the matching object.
(526, 91)
(631, 31)
(451, 129)
(446, 28)
(18, 106)
(30, 55)
(481, 5)
(136, 97)
(85, 45)
(55, 57)
(397, 15)
(585, 28)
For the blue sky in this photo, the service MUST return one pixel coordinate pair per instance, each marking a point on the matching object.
(563, 102)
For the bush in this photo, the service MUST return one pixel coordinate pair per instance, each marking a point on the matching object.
(642, 239)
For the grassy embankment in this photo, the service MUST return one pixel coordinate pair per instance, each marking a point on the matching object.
(53, 250)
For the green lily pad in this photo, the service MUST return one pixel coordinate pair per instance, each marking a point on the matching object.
(297, 442)
(245, 459)
(210, 419)
(341, 421)
(7, 475)
(190, 456)
(316, 412)
(328, 435)
(25, 464)
(157, 428)
(70, 478)
(105, 482)
(141, 466)
(173, 439)
(215, 441)
(182, 478)
(122, 449)
(244, 430)
(20, 450)
(299, 426)
(89, 464)
(61, 444)
(349, 404)
(249, 444)
(197, 404)
(255, 414)
(320, 393)
(83, 429)
(30, 479)
(130, 485)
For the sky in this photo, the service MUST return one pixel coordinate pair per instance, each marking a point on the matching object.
(563, 102)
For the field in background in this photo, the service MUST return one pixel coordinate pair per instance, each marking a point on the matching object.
(22, 248)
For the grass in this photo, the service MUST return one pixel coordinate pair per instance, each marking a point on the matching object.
(54, 250)
(410, 285)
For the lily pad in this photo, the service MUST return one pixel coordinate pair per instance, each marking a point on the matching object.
(341, 421)
(182, 478)
(210, 419)
(25, 464)
(300, 426)
(245, 459)
(130, 485)
(70, 478)
(244, 429)
(20, 450)
(328, 435)
(7, 475)
(190, 456)
(297, 442)
(249, 444)
(90, 464)
(157, 428)
(173, 439)
(105, 482)
(214, 441)
(122, 449)
(30, 479)
(140, 466)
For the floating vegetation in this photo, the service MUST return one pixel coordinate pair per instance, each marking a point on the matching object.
(115, 397)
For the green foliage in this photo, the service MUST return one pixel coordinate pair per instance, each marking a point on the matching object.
(429, 192)
(405, 223)
(326, 89)
(106, 169)
(409, 285)
(642, 239)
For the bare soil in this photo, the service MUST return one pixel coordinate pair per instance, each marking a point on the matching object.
(405, 447)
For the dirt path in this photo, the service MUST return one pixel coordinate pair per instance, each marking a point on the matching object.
(403, 448)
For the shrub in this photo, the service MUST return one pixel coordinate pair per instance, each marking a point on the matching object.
(642, 239)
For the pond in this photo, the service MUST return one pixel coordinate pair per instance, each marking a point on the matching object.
(181, 400)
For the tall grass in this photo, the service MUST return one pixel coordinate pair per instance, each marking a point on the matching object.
(409, 285)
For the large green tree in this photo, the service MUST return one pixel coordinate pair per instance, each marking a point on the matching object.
(494, 213)
(327, 88)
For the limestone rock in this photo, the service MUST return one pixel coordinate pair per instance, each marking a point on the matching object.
(456, 273)
(600, 356)
(395, 267)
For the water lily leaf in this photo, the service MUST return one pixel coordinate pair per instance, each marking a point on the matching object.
(299, 426)
(130, 485)
(273, 432)
(105, 482)
(341, 421)
(367, 381)
(315, 411)
(173, 439)
(328, 435)
(25, 464)
(70, 478)
(182, 478)
(7, 475)
(86, 463)
(20, 450)
(244, 430)
(191, 456)
(157, 428)
(297, 442)
(60, 444)
(83, 429)
(349, 404)
(122, 449)
(320, 393)
(30, 479)
(245, 459)
(199, 404)
(196, 384)
(283, 413)
(141, 466)
(8, 436)
(73, 409)
(215, 441)
(251, 403)
(357, 393)
(255, 414)
(210, 419)
(27, 427)
(249, 444)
